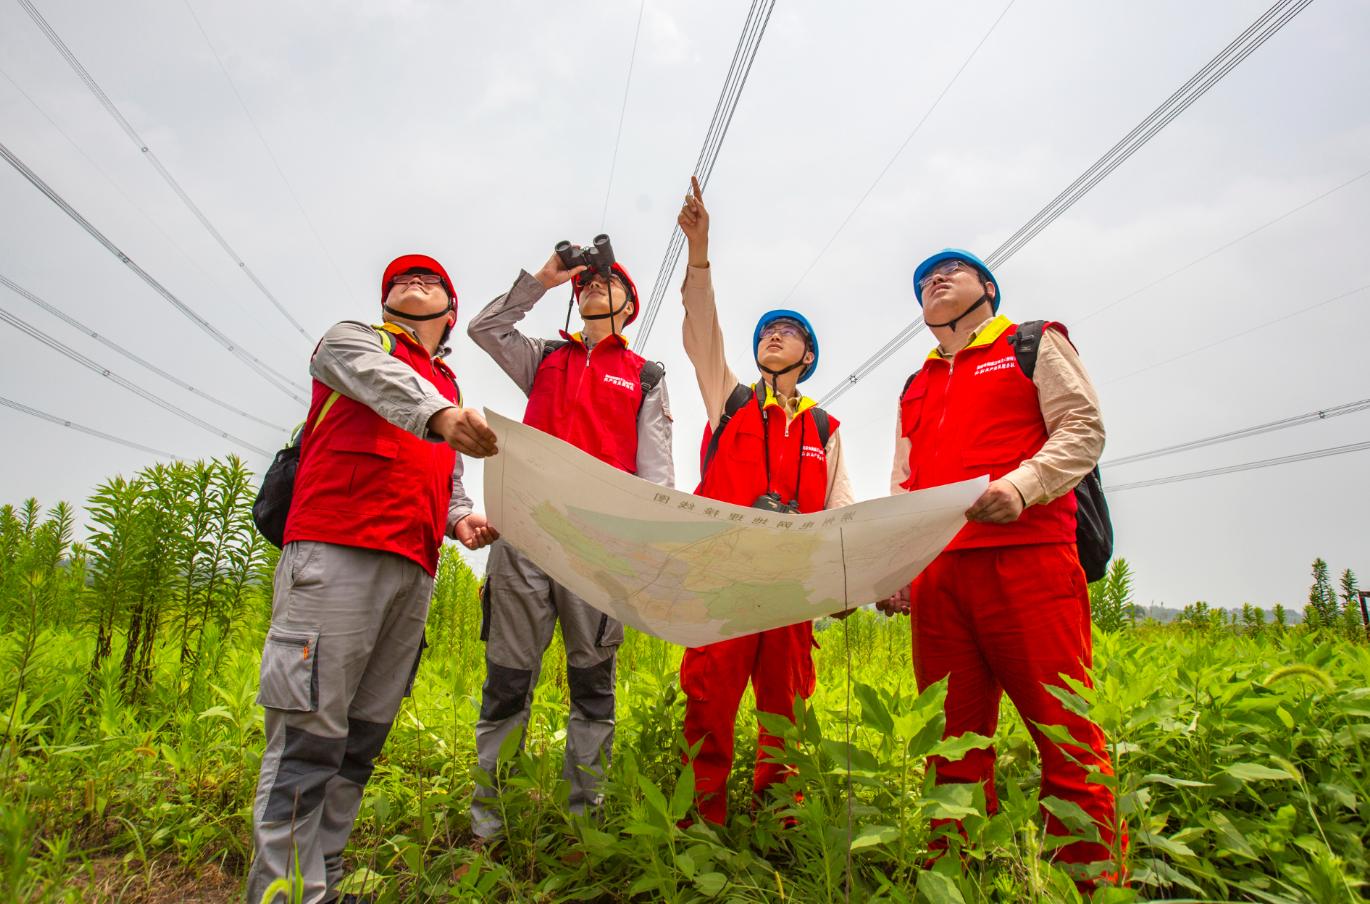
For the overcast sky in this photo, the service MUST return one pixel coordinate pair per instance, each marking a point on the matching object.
(482, 133)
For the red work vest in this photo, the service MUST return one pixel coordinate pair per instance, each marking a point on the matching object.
(978, 413)
(365, 482)
(590, 398)
(737, 473)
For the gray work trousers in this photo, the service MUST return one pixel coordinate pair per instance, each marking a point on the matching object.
(521, 606)
(342, 651)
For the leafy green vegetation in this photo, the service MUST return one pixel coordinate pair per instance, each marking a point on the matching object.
(132, 741)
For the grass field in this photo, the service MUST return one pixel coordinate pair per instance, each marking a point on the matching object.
(128, 765)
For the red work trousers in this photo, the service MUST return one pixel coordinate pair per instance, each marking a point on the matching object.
(1012, 619)
(779, 663)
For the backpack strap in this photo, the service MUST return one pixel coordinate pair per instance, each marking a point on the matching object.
(739, 397)
(388, 343)
(907, 383)
(649, 376)
(823, 422)
(1025, 341)
(549, 346)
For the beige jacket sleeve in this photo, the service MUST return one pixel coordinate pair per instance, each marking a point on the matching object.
(1075, 426)
(704, 342)
(839, 485)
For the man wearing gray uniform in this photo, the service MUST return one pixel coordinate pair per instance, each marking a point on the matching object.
(588, 389)
(378, 486)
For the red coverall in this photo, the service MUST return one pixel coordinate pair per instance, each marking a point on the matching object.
(1005, 608)
(778, 662)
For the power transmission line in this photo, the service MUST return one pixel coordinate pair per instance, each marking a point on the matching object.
(146, 151)
(1297, 420)
(897, 154)
(269, 152)
(275, 377)
(32, 331)
(1251, 38)
(1237, 335)
(136, 359)
(1241, 238)
(623, 112)
(105, 174)
(753, 30)
(63, 422)
(1246, 466)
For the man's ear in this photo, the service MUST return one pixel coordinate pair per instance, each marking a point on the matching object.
(808, 358)
(991, 290)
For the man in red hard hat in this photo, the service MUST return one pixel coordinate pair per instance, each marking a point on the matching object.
(378, 487)
(589, 389)
(1005, 608)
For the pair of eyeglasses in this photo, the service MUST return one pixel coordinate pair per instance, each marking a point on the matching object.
(946, 268)
(783, 330)
(588, 277)
(428, 279)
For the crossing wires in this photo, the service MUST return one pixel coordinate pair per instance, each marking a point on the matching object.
(1266, 26)
(94, 87)
(91, 431)
(276, 378)
(753, 30)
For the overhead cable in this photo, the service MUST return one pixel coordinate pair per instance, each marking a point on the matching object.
(135, 358)
(1245, 466)
(271, 375)
(63, 422)
(145, 149)
(24, 327)
(1252, 37)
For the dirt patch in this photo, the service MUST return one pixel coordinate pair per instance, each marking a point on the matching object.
(110, 879)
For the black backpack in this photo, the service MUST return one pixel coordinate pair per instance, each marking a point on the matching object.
(272, 505)
(739, 397)
(1093, 527)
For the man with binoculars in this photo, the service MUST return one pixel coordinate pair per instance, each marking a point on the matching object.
(588, 389)
(772, 448)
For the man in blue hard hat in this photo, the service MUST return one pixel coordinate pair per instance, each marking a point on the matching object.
(771, 447)
(1005, 608)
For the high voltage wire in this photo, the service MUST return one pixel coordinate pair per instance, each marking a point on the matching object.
(1237, 335)
(753, 30)
(1241, 238)
(897, 154)
(137, 359)
(275, 377)
(63, 422)
(1246, 466)
(269, 152)
(622, 112)
(1252, 37)
(146, 151)
(1297, 420)
(32, 331)
(104, 173)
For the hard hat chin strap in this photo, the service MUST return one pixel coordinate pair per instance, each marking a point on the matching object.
(959, 317)
(418, 317)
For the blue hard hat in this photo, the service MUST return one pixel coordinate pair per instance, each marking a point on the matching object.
(960, 254)
(784, 314)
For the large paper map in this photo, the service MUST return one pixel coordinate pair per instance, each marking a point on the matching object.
(693, 570)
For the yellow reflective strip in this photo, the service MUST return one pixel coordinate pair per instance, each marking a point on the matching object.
(332, 397)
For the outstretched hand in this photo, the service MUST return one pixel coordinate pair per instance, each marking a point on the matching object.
(464, 430)
(694, 222)
(475, 532)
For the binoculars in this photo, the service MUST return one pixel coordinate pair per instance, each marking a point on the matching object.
(771, 502)
(599, 256)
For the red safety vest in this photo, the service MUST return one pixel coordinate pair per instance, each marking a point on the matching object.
(978, 413)
(737, 473)
(364, 482)
(590, 398)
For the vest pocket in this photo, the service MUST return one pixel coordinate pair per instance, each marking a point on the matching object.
(290, 670)
(911, 407)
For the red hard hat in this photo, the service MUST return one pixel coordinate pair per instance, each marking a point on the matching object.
(627, 280)
(406, 262)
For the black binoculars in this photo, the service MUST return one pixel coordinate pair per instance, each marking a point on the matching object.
(599, 257)
(771, 502)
